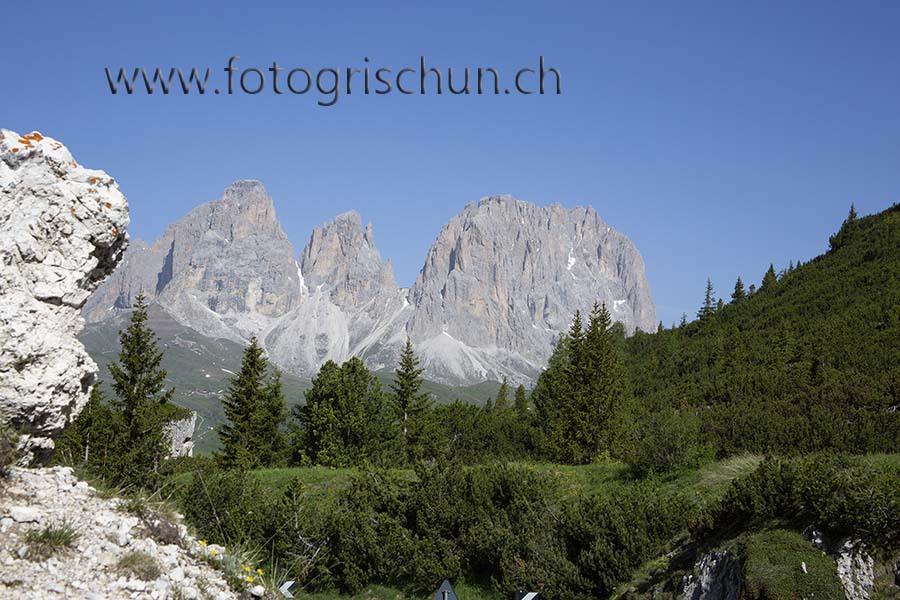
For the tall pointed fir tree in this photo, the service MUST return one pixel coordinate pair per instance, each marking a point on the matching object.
(770, 279)
(521, 402)
(139, 382)
(242, 402)
(501, 401)
(739, 294)
(269, 441)
(410, 403)
(709, 301)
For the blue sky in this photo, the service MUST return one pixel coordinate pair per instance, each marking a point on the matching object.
(720, 136)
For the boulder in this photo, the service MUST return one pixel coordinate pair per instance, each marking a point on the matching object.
(62, 231)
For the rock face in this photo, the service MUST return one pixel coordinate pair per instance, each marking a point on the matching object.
(717, 576)
(856, 570)
(505, 277)
(350, 303)
(90, 568)
(499, 285)
(62, 231)
(226, 269)
(180, 435)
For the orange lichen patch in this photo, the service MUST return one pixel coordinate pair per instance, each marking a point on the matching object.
(35, 136)
(14, 150)
(108, 205)
(93, 180)
(72, 210)
(91, 191)
(55, 146)
(115, 231)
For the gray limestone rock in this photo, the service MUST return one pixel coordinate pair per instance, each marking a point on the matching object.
(62, 231)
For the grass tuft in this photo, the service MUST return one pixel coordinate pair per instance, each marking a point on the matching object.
(139, 565)
(50, 540)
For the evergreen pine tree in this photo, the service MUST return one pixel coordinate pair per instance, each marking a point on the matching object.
(269, 439)
(91, 438)
(709, 301)
(739, 294)
(752, 289)
(139, 382)
(769, 279)
(410, 403)
(521, 402)
(684, 321)
(501, 403)
(347, 418)
(242, 404)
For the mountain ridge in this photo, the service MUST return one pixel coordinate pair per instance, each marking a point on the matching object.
(498, 286)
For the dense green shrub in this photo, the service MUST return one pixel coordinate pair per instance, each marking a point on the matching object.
(503, 525)
(843, 494)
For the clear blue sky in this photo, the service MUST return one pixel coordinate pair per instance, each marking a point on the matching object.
(720, 136)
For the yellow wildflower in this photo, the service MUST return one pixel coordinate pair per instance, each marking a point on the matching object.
(202, 542)
(213, 551)
(260, 571)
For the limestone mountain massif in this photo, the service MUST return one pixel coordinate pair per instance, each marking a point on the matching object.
(499, 285)
(62, 231)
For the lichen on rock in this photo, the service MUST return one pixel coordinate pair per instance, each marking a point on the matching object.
(62, 231)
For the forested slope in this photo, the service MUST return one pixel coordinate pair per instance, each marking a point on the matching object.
(808, 361)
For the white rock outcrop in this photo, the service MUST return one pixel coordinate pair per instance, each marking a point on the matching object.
(716, 576)
(62, 231)
(92, 567)
(855, 569)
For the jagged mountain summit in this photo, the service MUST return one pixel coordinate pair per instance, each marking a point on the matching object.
(499, 285)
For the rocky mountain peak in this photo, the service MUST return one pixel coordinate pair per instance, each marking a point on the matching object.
(506, 276)
(341, 256)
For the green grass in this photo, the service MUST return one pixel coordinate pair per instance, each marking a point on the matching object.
(49, 540)
(772, 560)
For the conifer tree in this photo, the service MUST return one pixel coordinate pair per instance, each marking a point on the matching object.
(409, 401)
(242, 404)
(709, 301)
(139, 382)
(269, 440)
(501, 402)
(769, 279)
(91, 438)
(684, 321)
(521, 402)
(346, 419)
(739, 294)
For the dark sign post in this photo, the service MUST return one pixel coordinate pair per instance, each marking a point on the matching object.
(521, 595)
(445, 592)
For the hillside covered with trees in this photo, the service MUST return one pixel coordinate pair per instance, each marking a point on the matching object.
(730, 433)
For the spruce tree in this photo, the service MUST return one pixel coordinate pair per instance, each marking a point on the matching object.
(709, 301)
(269, 440)
(409, 402)
(242, 403)
(347, 418)
(739, 294)
(139, 382)
(769, 279)
(521, 402)
(501, 402)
